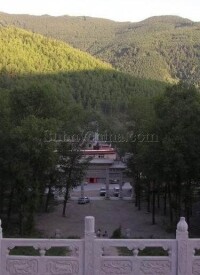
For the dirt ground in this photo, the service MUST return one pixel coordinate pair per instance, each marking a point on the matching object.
(109, 215)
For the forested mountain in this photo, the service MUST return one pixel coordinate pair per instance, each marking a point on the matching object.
(31, 58)
(50, 94)
(164, 48)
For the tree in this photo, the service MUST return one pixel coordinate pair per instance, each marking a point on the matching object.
(26, 156)
(178, 120)
(30, 161)
(72, 166)
(172, 163)
(141, 117)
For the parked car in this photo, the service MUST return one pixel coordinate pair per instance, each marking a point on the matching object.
(83, 200)
(102, 191)
(116, 191)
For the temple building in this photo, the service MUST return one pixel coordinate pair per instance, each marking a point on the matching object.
(105, 165)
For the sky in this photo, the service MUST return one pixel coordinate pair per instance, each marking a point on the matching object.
(117, 10)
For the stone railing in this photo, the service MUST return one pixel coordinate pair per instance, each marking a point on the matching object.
(96, 256)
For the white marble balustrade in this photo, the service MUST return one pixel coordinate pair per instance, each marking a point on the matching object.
(88, 255)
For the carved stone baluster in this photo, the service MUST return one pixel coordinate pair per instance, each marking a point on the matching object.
(89, 245)
(184, 268)
(135, 252)
(10, 247)
(42, 251)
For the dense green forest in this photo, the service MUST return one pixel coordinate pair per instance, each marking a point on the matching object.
(164, 48)
(28, 57)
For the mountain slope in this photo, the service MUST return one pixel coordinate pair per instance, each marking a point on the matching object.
(165, 48)
(29, 52)
(31, 58)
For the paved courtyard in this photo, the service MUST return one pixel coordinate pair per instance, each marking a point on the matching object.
(109, 215)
